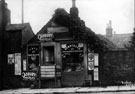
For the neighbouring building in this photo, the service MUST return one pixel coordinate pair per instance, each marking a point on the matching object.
(120, 40)
(13, 40)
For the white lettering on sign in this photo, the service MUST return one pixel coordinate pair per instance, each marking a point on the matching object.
(45, 36)
(29, 75)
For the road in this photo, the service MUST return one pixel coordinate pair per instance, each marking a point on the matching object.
(129, 92)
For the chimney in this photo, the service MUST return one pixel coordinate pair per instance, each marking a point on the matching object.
(74, 9)
(4, 13)
(109, 29)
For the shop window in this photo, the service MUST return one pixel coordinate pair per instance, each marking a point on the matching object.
(33, 57)
(33, 62)
(72, 57)
(48, 55)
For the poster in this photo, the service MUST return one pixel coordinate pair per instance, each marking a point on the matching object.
(96, 59)
(17, 63)
(96, 76)
(91, 57)
(24, 64)
(91, 65)
(11, 59)
(29, 75)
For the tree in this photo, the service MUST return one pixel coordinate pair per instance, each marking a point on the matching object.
(131, 45)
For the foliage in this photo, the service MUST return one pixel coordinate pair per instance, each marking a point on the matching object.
(79, 31)
(131, 45)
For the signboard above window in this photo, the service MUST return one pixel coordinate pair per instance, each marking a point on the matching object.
(33, 49)
(57, 29)
(72, 47)
(45, 37)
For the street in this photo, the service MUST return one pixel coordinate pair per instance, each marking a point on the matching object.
(129, 92)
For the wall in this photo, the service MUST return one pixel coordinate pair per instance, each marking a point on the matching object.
(116, 66)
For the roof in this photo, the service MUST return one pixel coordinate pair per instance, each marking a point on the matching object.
(120, 40)
(27, 32)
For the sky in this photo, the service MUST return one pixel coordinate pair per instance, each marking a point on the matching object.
(95, 13)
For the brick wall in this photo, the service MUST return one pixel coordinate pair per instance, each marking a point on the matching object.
(116, 66)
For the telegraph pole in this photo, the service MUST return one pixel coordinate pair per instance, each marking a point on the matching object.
(2, 41)
(22, 11)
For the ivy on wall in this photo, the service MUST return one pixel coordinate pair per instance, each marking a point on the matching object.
(80, 32)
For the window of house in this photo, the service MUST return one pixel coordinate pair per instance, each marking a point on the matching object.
(72, 57)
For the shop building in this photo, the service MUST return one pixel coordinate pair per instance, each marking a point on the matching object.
(62, 59)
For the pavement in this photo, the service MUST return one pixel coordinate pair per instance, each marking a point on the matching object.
(69, 90)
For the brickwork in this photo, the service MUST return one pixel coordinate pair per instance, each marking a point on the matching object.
(116, 66)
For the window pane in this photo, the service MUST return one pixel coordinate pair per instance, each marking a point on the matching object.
(72, 57)
(48, 55)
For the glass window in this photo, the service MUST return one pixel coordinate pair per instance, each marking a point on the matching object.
(48, 55)
(72, 57)
(33, 57)
(33, 62)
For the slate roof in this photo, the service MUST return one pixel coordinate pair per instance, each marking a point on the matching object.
(27, 32)
(120, 39)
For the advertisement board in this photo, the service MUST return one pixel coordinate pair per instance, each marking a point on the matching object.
(17, 63)
(29, 75)
(11, 59)
(96, 76)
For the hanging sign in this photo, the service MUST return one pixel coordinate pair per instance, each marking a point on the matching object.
(45, 37)
(17, 63)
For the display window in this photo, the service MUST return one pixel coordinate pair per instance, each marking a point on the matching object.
(33, 62)
(72, 57)
(33, 57)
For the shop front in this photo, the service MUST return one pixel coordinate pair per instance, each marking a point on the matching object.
(62, 61)
(68, 59)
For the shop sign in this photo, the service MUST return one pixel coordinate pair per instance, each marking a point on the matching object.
(28, 75)
(48, 71)
(90, 65)
(57, 29)
(72, 47)
(17, 63)
(45, 37)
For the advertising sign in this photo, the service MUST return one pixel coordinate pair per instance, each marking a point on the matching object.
(11, 59)
(90, 56)
(24, 65)
(28, 75)
(96, 76)
(45, 37)
(96, 59)
(48, 71)
(17, 63)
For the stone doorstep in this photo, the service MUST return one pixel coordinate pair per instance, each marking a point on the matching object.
(71, 90)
